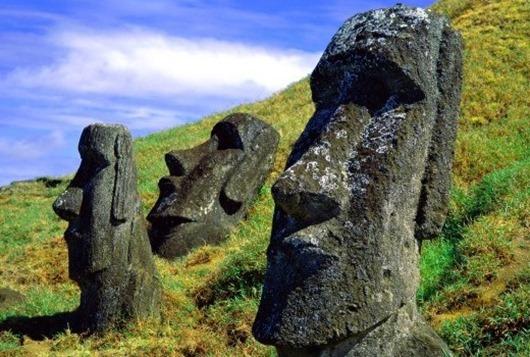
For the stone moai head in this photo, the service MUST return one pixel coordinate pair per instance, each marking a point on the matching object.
(108, 248)
(211, 186)
(101, 196)
(367, 179)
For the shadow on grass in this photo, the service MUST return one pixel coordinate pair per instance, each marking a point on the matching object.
(40, 327)
(484, 198)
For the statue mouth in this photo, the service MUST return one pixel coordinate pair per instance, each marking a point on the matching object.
(304, 257)
(72, 233)
(296, 263)
(168, 226)
(296, 244)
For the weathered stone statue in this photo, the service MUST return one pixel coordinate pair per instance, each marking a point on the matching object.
(211, 186)
(367, 180)
(108, 247)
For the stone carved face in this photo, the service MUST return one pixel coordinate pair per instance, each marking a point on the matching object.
(109, 252)
(98, 200)
(343, 255)
(334, 267)
(211, 185)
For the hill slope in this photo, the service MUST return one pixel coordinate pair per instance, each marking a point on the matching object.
(475, 278)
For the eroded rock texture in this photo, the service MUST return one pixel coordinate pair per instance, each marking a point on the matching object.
(211, 186)
(367, 180)
(108, 247)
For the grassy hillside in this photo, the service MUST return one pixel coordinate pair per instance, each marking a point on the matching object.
(475, 278)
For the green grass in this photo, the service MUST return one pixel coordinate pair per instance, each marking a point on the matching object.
(475, 283)
(501, 330)
(26, 215)
(472, 238)
(44, 301)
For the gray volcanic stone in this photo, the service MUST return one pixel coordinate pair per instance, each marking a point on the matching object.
(108, 247)
(367, 179)
(211, 186)
(403, 334)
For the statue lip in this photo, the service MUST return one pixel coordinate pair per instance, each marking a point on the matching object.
(309, 239)
(72, 233)
(305, 257)
(299, 244)
(169, 222)
(168, 226)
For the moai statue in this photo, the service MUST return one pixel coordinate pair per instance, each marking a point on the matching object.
(367, 180)
(211, 186)
(108, 248)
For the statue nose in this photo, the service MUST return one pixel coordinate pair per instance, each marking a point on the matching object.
(68, 204)
(168, 195)
(166, 211)
(304, 200)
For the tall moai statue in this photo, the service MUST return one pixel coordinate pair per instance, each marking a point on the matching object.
(108, 248)
(211, 186)
(367, 180)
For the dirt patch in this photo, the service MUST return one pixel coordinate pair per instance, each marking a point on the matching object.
(46, 263)
(486, 295)
(237, 334)
(36, 348)
(202, 256)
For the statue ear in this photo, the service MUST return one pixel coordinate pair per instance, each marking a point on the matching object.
(436, 182)
(124, 185)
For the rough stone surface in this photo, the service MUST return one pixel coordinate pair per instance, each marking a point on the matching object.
(9, 298)
(108, 247)
(402, 334)
(366, 181)
(211, 186)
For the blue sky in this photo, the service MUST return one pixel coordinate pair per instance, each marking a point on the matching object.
(150, 65)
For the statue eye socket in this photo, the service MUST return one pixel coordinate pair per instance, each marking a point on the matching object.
(94, 158)
(167, 185)
(227, 136)
(229, 206)
(176, 165)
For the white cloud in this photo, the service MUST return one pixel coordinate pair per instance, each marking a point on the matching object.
(140, 63)
(57, 83)
(71, 113)
(13, 149)
(134, 117)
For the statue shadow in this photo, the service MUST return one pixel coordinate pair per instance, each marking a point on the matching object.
(41, 327)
